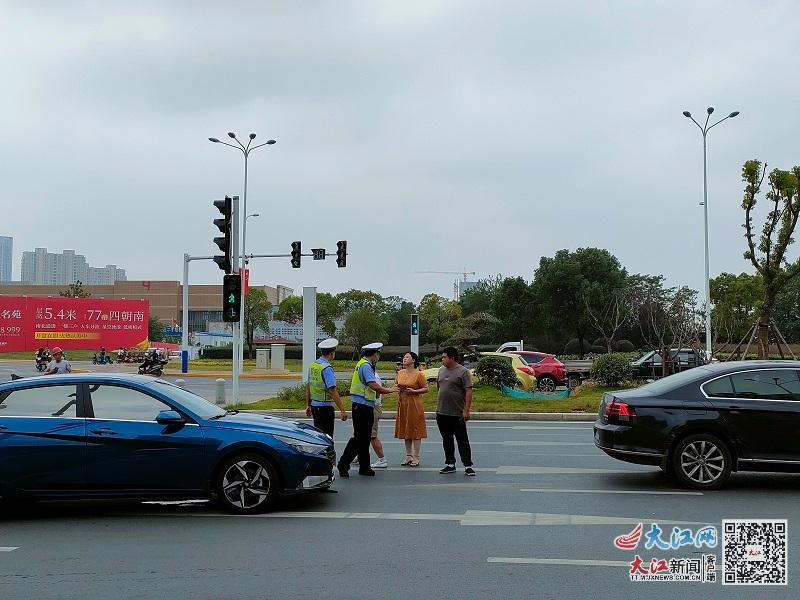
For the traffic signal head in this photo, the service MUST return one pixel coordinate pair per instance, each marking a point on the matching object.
(224, 261)
(415, 324)
(296, 254)
(341, 254)
(231, 298)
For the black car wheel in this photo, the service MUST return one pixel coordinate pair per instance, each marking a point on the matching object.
(701, 462)
(546, 384)
(246, 484)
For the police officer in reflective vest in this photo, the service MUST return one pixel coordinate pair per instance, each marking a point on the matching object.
(321, 391)
(364, 389)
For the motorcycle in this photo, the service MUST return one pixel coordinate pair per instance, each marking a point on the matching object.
(153, 364)
(102, 359)
(42, 360)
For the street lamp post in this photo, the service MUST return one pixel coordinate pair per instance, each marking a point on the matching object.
(240, 260)
(704, 129)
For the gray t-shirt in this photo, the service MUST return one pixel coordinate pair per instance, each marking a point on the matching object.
(60, 367)
(453, 384)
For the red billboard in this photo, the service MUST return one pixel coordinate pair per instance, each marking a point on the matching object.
(28, 323)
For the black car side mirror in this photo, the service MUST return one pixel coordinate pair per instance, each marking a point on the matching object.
(169, 417)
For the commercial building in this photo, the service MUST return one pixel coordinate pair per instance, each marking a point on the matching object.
(41, 267)
(6, 250)
(165, 298)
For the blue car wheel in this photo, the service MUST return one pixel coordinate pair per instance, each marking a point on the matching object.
(246, 483)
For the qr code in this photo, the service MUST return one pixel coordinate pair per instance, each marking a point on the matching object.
(754, 552)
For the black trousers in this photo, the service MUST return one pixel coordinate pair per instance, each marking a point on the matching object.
(324, 418)
(450, 426)
(358, 445)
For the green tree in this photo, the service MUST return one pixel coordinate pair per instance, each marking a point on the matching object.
(155, 328)
(74, 290)
(439, 317)
(471, 328)
(480, 297)
(329, 309)
(570, 285)
(399, 320)
(736, 301)
(362, 327)
(514, 306)
(769, 255)
(787, 311)
(256, 315)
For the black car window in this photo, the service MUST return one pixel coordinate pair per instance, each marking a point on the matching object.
(769, 384)
(532, 359)
(124, 404)
(41, 401)
(719, 388)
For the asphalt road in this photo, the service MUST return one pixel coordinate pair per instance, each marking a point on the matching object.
(250, 390)
(538, 521)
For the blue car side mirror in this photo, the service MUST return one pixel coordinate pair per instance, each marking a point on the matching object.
(169, 417)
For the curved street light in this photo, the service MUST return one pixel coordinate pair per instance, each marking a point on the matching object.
(704, 129)
(240, 261)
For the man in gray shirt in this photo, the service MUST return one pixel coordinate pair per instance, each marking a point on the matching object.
(453, 405)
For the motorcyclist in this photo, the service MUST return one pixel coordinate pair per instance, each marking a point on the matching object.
(59, 364)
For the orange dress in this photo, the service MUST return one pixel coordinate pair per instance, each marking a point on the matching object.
(410, 421)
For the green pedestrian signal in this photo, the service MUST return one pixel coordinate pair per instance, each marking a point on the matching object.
(414, 324)
(231, 298)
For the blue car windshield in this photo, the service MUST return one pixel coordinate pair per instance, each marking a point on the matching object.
(191, 401)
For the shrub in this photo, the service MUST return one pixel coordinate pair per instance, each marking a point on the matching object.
(573, 347)
(295, 394)
(624, 346)
(601, 341)
(496, 370)
(601, 349)
(610, 370)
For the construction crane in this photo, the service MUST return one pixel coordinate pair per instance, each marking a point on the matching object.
(463, 273)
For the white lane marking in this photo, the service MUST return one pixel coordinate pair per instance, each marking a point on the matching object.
(558, 561)
(469, 518)
(560, 454)
(649, 492)
(503, 470)
(8, 548)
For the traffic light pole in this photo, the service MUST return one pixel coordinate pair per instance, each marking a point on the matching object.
(236, 263)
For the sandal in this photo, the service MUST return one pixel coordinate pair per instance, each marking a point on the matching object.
(413, 463)
(408, 461)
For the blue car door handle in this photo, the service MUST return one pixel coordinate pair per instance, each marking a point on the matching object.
(103, 431)
(3, 427)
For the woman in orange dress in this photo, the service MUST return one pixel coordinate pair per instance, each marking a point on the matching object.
(410, 422)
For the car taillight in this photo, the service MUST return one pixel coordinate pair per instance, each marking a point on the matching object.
(526, 370)
(616, 408)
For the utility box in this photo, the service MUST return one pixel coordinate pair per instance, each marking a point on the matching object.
(262, 359)
(278, 366)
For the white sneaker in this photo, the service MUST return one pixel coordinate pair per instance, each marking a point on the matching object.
(380, 463)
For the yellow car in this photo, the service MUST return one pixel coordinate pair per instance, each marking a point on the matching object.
(526, 380)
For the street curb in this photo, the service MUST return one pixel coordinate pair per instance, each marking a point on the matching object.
(227, 375)
(476, 416)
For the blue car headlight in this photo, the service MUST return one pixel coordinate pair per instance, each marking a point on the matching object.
(301, 445)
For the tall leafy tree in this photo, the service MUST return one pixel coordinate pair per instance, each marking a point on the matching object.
(570, 284)
(399, 313)
(480, 297)
(439, 317)
(515, 308)
(769, 256)
(328, 310)
(155, 329)
(256, 315)
(363, 326)
(736, 300)
(787, 311)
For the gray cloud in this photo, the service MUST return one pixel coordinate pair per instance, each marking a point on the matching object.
(431, 135)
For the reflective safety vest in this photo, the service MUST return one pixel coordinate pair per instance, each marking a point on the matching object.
(359, 388)
(316, 384)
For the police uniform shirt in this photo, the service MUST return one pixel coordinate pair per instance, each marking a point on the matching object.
(328, 378)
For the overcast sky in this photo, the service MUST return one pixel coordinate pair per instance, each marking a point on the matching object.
(432, 135)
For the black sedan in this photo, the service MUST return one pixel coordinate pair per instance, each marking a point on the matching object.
(704, 423)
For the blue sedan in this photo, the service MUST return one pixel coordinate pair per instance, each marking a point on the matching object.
(131, 436)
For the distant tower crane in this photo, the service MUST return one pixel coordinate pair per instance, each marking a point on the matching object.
(463, 273)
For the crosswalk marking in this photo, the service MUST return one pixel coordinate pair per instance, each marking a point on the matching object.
(8, 548)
